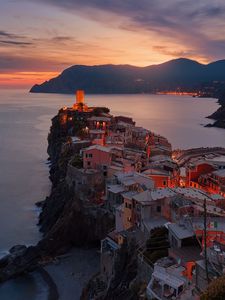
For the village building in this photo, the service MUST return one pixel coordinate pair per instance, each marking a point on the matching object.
(214, 182)
(168, 281)
(161, 178)
(97, 157)
(122, 183)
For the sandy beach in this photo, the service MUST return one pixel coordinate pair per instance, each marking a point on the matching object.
(72, 271)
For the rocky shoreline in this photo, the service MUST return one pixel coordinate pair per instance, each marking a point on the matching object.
(65, 220)
(69, 218)
(218, 116)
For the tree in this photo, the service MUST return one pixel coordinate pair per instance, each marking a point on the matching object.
(99, 110)
(215, 290)
(77, 161)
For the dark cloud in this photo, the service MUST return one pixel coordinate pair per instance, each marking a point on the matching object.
(5, 34)
(12, 39)
(9, 35)
(12, 62)
(16, 43)
(62, 39)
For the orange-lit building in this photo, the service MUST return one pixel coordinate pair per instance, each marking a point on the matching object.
(161, 178)
(195, 170)
(97, 157)
(99, 128)
(79, 105)
(79, 111)
(214, 182)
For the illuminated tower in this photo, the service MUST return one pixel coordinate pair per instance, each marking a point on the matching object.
(80, 105)
(79, 96)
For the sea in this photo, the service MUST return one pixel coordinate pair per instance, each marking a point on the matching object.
(25, 119)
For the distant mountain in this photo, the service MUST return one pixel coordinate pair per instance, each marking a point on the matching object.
(179, 73)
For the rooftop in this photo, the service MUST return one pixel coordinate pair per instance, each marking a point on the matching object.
(99, 118)
(170, 275)
(129, 195)
(216, 223)
(76, 140)
(98, 147)
(97, 131)
(180, 231)
(154, 222)
(220, 173)
(192, 193)
(131, 178)
(115, 188)
(156, 172)
(162, 193)
(143, 198)
(211, 209)
(160, 157)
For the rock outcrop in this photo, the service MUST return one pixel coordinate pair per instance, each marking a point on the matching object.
(65, 219)
(122, 285)
(219, 115)
(20, 259)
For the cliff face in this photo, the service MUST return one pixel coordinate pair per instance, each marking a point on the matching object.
(123, 284)
(65, 219)
(219, 115)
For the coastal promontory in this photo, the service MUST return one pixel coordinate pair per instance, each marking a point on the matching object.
(176, 75)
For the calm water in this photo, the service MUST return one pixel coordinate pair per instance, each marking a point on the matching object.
(24, 124)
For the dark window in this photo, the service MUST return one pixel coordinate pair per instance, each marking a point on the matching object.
(164, 182)
(90, 155)
(130, 206)
(88, 163)
(158, 208)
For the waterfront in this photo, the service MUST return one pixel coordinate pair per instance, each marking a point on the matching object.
(25, 120)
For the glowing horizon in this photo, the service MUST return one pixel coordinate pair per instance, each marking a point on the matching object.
(38, 39)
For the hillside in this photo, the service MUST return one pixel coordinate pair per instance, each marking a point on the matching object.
(180, 73)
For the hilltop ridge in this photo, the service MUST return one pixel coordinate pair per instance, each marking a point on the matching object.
(182, 73)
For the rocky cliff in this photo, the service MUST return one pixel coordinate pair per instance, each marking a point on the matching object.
(219, 115)
(123, 284)
(65, 220)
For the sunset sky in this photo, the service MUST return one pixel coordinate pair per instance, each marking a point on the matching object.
(40, 38)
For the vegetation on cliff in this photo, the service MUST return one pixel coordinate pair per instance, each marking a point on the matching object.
(182, 73)
(215, 290)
